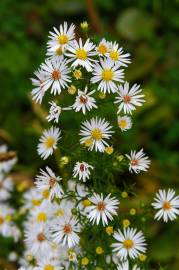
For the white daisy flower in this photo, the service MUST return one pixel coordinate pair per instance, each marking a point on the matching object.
(48, 142)
(103, 47)
(138, 161)
(56, 75)
(167, 205)
(124, 122)
(94, 133)
(81, 54)
(63, 209)
(6, 213)
(117, 55)
(125, 266)
(108, 75)
(38, 92)
(47, 180)
(55, 111)
(81, 170)
(130, 243)
(41, 214)
(37, 239)
(6, 186)
(32, 198)
(62, 37)
(129, 99)
(102, 208)
(84, 101)
(65, 230)
(48, 263)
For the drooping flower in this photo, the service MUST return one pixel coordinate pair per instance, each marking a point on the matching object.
(81, 170)
(138, 161)
(39, 91)
(94, 134)
(167, 205)
(55, 111)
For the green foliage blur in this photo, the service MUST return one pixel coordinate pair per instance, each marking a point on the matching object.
(148, 29)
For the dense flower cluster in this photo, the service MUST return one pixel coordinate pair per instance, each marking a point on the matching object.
(60, 211)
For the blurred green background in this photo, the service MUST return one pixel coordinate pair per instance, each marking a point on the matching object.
(148, 29)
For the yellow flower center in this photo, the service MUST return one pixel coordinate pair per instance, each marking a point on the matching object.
(59, 212)
(49, 267)
(86, 203)
(45, 193)
(8, 218)
(128, 243)
(49, 142)
(36, 202)
(1, 220)
(123, 123)
(59, 51)
(41, 217)
(81, 54)
(107, 75)
(62, 39)
(88, 142)
(114, 55)
(102, 48)
(96, 134)
(166, 206)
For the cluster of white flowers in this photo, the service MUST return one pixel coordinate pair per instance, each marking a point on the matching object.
(59, 210)
(7, 226)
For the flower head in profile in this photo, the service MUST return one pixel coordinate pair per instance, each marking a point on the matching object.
(61, 37)
(82, 170)
(129, 99)
(84, 101)
(38, 91)
(167, 205)
(55, 111)
(48, 142)
(107, 75)
(102, 208)
(124, 122)
(117, 55)
(138, 161)
(47, 180)
(56, 75)
(94, 134)
(65, 231)
(130, 243)
(81, 54)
